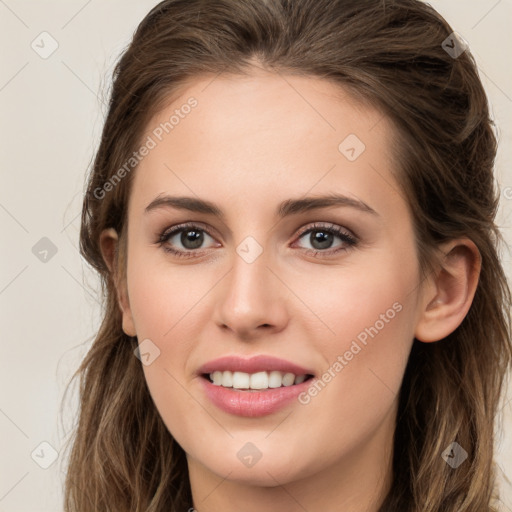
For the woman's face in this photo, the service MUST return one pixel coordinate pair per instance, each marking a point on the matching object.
(273, 275)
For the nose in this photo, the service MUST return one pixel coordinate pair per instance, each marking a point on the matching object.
(251, 299)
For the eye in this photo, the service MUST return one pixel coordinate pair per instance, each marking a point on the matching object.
(321, 238)
(190, 236)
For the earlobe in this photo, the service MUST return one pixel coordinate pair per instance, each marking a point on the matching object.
(108, 245)
(449, 292)
(124, 306)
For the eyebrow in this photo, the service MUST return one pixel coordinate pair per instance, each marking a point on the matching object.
(286, 208)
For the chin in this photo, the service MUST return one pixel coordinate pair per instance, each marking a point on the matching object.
(270, 470)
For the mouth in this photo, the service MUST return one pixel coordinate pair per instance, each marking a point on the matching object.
(252, 387)
(258, 381)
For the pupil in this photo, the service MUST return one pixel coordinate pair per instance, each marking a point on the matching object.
(323, 239)
(192, 239)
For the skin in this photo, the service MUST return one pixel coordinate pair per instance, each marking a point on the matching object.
(251, 143)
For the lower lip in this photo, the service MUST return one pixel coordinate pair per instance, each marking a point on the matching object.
(253, 403)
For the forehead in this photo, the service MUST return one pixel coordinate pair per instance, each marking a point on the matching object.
(266, 136)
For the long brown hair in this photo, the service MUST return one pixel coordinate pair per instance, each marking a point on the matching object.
(392, 55)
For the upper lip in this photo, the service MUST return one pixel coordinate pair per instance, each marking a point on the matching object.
(253, 364)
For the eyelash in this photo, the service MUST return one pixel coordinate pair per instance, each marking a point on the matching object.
(350, 240)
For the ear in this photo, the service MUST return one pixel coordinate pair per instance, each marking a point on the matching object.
(449, 292)
(109, 241)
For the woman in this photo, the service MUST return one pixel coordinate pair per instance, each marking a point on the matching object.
(292, 212)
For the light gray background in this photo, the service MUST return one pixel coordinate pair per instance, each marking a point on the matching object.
(52, 114)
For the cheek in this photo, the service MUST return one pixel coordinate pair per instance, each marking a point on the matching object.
(162, 299)
(163, 316)
(357, 393)
(370, 318)
(367, 303)
(165, 305)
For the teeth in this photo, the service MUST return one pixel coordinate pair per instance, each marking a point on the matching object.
(227, 379)
(275, 379)
(288, 379)
(241, 380)
(300, 379)
(259, 380)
